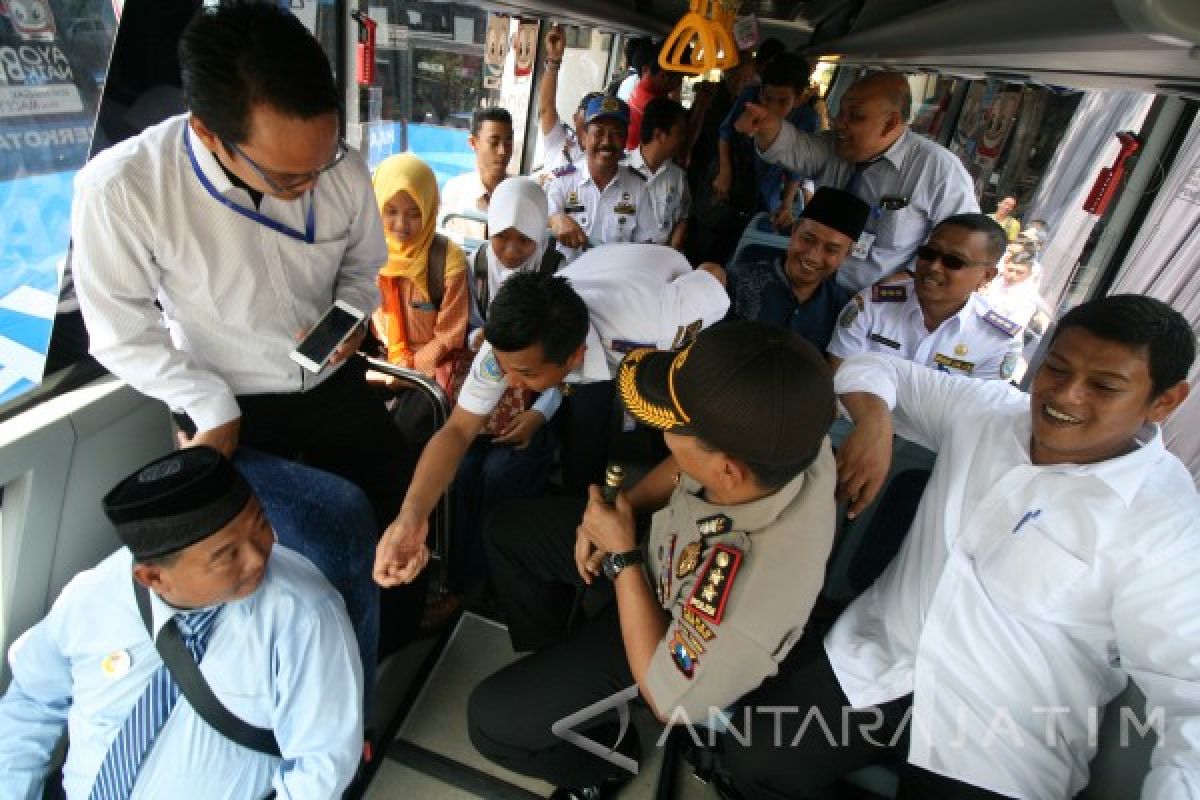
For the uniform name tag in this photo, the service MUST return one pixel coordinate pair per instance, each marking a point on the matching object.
(579, 209)
(883, 293)
(946, 362)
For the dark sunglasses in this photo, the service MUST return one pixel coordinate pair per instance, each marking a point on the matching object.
(927, 253)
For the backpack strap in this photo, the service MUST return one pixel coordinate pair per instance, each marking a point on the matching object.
(435, 275)
(479, 277)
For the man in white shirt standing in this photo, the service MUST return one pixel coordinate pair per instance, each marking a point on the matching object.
(1053, 556)
(909, 181)
(664, 133)
(492, 140)
(568, 329)
(207, 245)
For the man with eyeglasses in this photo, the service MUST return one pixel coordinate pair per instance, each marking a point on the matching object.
(207, 245)
(932, 313)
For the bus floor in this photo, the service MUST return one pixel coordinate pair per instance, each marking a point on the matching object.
(423, 690)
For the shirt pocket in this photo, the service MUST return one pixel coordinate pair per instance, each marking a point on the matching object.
(1031, 574)
(618, 228)
(902, 229)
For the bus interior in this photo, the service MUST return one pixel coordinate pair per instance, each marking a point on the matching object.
(1085, 111)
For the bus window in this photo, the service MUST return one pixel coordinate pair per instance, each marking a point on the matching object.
(53, 65)
(436, 65)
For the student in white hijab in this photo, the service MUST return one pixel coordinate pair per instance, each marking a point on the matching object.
(517, 221)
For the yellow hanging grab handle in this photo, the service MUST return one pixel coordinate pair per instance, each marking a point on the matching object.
(707, 30)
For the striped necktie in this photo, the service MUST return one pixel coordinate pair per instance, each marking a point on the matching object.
(119, 772)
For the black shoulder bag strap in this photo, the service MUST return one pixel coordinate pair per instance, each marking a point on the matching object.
(435, 276)
(199, 694)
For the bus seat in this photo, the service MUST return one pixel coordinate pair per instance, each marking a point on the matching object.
(759, 242)
(57, 461)
(440, 519)
(469, 244)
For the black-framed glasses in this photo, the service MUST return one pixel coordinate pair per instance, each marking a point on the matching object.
(949, 260)
(289, 182)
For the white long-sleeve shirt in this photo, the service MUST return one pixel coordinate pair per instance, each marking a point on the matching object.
(1024, 595)
(234, 292)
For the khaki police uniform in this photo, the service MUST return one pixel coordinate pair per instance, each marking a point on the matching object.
(736, 584)
(886, 318)
(616, 214)
(668, 195)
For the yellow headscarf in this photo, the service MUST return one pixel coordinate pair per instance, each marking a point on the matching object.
(407, 173)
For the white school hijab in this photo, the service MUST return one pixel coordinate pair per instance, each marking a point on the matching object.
(516, 203)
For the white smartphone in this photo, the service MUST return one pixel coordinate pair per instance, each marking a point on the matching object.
(339, 322)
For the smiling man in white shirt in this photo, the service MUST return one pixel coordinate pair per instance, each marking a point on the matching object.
(1053, 556)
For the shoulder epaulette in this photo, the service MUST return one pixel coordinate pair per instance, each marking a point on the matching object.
(1001, 323)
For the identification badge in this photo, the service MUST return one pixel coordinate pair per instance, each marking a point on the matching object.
(862, 248)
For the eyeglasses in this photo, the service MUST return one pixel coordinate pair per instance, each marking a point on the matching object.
(285, 182)
(949, 261)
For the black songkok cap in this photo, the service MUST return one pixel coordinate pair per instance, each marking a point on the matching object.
(839, 210)
(755, 391)
(176, 501)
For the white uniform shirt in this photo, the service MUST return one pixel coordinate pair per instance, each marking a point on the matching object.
(560, 147)
(886, 318)
(1019, 302)
(667, 193)
(924, 179)
(617, 214)
(283, 658)
(234, 292)
(638, 295)
(1024, 595)
(465, 192)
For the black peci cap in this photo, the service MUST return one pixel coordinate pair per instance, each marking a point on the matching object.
(839, 210)
(755, 391)
(176, 501)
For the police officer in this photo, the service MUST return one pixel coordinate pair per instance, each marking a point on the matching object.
(603, 202)
(934, 315)
(719, 593)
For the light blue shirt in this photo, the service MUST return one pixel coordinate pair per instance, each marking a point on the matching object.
(283, 658)
(926, 181)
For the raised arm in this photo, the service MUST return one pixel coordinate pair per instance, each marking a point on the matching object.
(556, 46)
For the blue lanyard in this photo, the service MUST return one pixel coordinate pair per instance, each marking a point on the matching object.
(310, 226)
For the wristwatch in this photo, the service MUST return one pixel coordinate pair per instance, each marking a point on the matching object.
(613, 563)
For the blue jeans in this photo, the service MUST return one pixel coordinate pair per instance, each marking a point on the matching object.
(329, 521)
(487, 475)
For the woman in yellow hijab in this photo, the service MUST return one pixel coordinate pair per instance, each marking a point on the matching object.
(420, 331)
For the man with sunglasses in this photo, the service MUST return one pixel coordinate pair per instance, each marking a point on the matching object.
(207, 245)
(932, 313)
